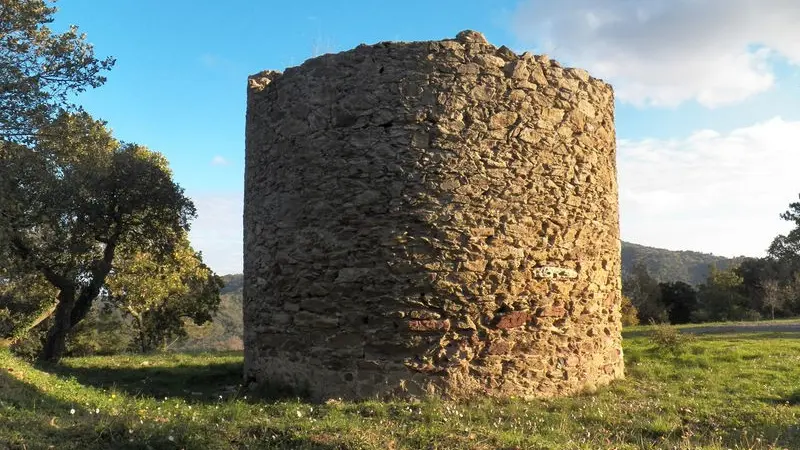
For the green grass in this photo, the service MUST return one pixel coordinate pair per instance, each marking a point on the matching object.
(722, 391)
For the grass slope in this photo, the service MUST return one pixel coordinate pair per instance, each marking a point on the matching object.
(723, 391)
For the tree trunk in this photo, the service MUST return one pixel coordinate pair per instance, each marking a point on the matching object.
(142, 336)
(56, 341)
(44, 315)
(70, 311)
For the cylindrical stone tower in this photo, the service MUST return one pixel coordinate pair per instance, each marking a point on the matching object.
(431, 218)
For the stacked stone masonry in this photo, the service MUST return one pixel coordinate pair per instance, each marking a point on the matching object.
(431, 218)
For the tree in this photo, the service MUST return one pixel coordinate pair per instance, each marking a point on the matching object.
(644, 293)
(773, 296)
(787, 247)
(629, 314)
(39, 69)
(722, 296)
(159, 291)
(71, 200)
(680, 300)
(26, 300)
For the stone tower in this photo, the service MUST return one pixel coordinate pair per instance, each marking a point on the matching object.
(431, 218)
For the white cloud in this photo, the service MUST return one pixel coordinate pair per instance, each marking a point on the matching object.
(219, 161)
(217, 231)
(666, 52)
(712, 192)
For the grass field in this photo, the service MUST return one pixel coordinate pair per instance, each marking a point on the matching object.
(717, 391)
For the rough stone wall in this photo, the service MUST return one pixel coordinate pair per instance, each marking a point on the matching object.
(431, 218)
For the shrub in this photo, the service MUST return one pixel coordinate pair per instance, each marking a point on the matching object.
(102, 332)
(669, 338)
(630, 316)
(751, 316)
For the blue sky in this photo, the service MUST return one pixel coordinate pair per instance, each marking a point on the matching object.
(708, 95)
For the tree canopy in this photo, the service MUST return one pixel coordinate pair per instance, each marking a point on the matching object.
(40, 69)
(159, 291)
(68, 203)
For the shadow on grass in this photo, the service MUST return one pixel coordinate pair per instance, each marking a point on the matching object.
(791, 399)
(195, 383)
(31, 418)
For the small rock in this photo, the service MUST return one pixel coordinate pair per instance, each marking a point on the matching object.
(471, 36)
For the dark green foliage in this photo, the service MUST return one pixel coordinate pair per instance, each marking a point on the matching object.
(68, 203)
(104, 331)
(723, 298)
(680, 300)
(645, 294)
(629, 314)
(786, 248)
(166, 323)
(25, 301)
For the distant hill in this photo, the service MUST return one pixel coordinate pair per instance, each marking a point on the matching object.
(227, 329)
(670, 265)
(225, 333)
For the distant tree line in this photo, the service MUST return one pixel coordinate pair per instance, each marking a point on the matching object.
(750, 289)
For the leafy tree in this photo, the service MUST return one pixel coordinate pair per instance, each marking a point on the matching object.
(69, 202)
(722, 296)
(680, 300)
(159, 291)
(774, 296)
(787, 247)
(39, 69)
(630, 316)
(645, 295)
(755, 272)
(104, 331)
(26, 300)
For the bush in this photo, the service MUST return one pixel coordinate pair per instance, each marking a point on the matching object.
(630, 316)
(102, 332)
(30, 344)
(669, 338)
(700, 316)
(751, 316)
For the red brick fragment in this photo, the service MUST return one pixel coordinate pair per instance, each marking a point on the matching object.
(429, 325)
(513, 319)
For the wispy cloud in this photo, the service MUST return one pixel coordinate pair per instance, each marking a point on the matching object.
(664, 53)
(710, 191)
(219, 161)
